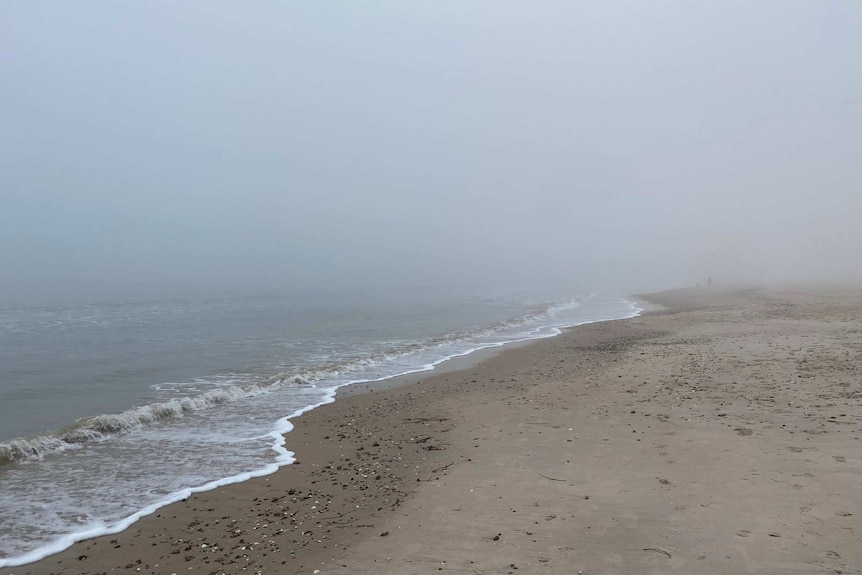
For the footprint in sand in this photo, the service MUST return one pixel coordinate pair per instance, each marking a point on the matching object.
(743, 431)
(743, 532)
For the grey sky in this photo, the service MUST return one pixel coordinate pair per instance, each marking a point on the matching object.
(177, 145)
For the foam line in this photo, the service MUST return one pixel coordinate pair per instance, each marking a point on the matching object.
(102, 427)
(283, 457)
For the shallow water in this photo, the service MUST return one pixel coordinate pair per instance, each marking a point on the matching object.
(115, 409)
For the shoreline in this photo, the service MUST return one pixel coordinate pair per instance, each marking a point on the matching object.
(280, 435)
(655, 444)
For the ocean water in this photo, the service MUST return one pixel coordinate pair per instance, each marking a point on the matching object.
(110, 411)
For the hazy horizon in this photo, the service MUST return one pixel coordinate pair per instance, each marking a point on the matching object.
(161, 149)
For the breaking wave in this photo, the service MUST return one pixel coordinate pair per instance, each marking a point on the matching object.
(102, 427)
(44, 525)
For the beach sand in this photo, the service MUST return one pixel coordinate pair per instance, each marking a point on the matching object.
(719, 436)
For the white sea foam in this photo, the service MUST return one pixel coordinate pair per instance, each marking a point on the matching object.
(98, 529)
(100, 427)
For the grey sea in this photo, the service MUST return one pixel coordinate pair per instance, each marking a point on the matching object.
(111, 410)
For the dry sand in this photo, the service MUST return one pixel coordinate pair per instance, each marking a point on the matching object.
(719, 436)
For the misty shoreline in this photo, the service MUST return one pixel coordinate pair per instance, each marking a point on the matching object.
(483, 454)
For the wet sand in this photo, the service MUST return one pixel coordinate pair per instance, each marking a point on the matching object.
(719, 436)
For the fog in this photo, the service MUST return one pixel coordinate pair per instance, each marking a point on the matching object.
(153, 148)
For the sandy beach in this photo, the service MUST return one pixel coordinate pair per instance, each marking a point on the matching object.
(720, 435)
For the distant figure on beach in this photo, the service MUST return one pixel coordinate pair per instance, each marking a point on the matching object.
(709, 281)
